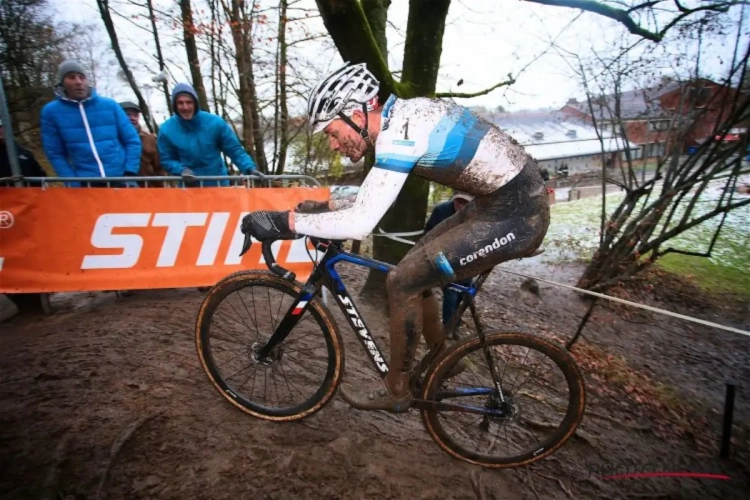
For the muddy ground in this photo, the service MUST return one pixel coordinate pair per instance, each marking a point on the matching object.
(104, 373)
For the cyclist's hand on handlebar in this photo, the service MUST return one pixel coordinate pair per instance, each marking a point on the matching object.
(312, 207)
(267, 225)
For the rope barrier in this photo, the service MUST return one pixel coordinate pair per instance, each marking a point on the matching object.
(395, 236)
(633, 304)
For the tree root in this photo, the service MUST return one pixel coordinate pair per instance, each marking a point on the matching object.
(529, 482)
(117, 446)
(596, 482)
(589, 440)
(649, 495)
(635, 427)
(52, 478)
(560, 483)
(476, 486)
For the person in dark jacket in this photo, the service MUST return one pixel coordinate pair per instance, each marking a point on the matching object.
(441, 212)
(87, 135)
(192, 140)
(150, 163)
(29, 166)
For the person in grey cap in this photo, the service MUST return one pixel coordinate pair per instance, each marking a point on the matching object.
(85, 134)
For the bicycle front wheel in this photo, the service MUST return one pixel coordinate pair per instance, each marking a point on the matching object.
(236, 319)
(518, 399)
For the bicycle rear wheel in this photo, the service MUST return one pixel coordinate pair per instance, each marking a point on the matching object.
(237, 317)
(510, 420)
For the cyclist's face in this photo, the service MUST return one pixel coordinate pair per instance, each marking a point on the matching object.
(345, 140)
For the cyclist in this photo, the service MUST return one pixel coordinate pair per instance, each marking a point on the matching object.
(442, 142)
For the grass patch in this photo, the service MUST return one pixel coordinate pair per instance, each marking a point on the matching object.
(711, 276)
(573, 235)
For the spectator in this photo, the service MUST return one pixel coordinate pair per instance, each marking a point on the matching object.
(150, 166)
(87, 135)
(21, 302)
(29, 166)
(441, 212)
(192, 140)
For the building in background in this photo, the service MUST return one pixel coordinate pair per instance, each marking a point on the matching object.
(562, 144)
(651, 116)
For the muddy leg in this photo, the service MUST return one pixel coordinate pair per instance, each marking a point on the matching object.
(406, 321)
(433, 327)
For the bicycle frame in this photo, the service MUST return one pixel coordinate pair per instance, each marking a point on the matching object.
(325, 274)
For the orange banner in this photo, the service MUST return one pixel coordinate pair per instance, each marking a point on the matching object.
(85, 239)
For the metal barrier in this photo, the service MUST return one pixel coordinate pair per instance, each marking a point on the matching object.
(246, 181)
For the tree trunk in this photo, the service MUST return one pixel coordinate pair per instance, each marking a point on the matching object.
(376, 12)
(236, 22)
(358, 31)
(283, 108)
(159, 55)
(241, 25)
(191, 48)
(424, 46)
(214, 54)
(424, 37)
(107, 18)
(346, 22)
(260, 152)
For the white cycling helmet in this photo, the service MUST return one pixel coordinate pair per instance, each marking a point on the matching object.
(336, 96)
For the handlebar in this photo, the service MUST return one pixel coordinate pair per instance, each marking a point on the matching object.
(268, 256)
(319, 243)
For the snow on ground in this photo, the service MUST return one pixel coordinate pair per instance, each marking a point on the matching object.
(574, 229)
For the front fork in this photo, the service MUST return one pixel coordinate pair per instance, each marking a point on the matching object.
(292, 315)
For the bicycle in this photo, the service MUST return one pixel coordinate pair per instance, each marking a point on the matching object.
(433, 390)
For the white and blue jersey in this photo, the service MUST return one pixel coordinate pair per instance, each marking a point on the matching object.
(438, 140)
(443, 141)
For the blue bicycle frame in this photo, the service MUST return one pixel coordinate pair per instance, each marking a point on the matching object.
(325, 274)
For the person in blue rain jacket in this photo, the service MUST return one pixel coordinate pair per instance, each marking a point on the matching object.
(84, 134)
(192, 140)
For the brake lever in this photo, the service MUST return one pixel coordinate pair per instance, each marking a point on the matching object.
(247, 244)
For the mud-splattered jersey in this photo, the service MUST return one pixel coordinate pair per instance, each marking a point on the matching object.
(438, 140)
(447, 143)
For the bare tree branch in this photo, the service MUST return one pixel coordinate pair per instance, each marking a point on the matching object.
(623, 16)
(509, 81)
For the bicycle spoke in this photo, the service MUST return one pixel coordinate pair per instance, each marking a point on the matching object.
(508, 436)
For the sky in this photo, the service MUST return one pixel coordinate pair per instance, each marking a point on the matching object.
(484, 41)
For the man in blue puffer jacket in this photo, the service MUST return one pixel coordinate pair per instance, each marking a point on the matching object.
(87, 135)
(192, 140)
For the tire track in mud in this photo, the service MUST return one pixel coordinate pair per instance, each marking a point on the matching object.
(87, 374)
(81, 376)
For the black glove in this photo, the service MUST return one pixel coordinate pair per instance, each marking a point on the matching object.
(266, 225)
(256, 173)
(188, 177)
(312, 207)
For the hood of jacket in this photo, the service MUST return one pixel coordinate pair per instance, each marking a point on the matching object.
(181, 88)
